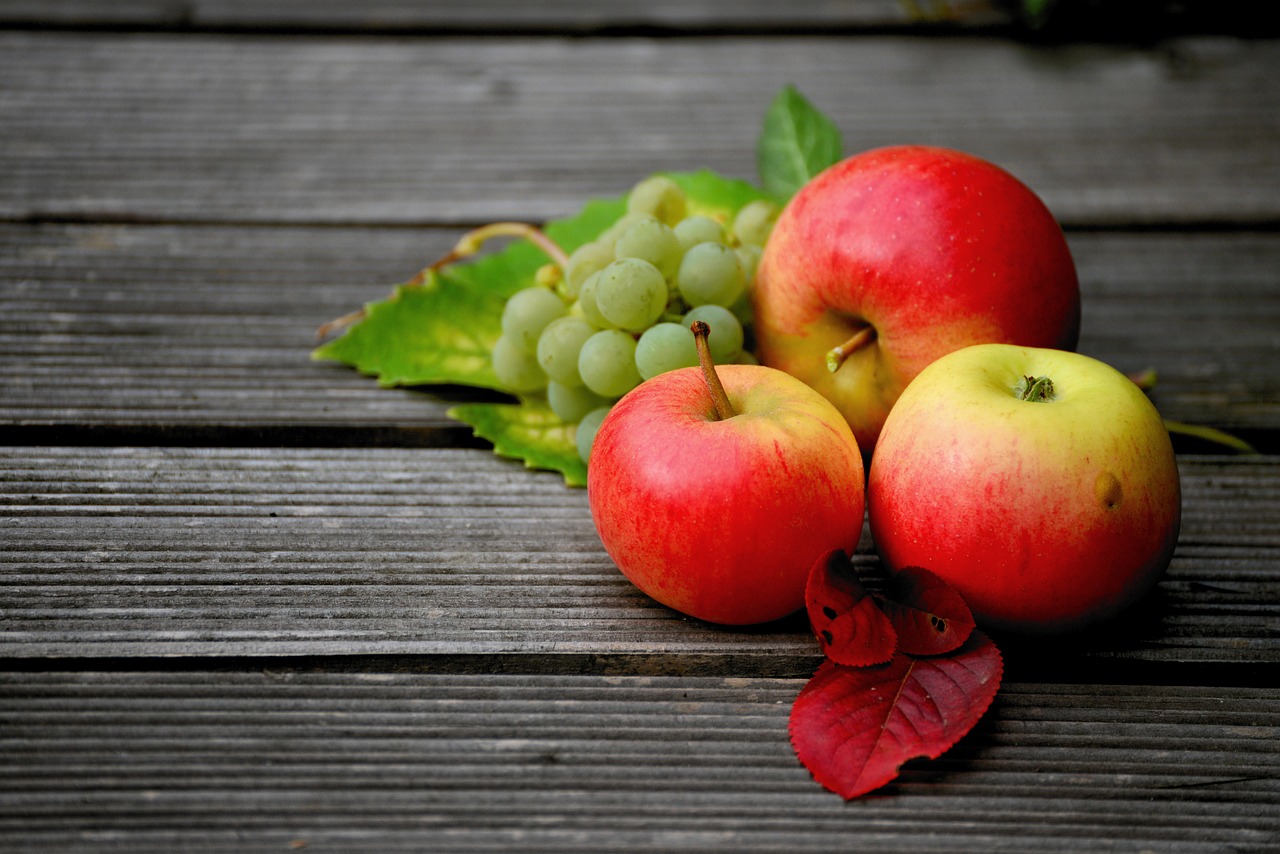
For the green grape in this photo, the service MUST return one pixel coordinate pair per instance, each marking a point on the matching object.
(585, 260)
(585, 435)
(749, 254)
(711, 274)
(516, 368)
(587, 304)
(571, 404)
(665, 347)
(558, 348)
(745, 357)
(754, 222)
(631, 294)
(527, 313)
(696, 229)
(658, 196)
(621, 224)
(725, 340)
(652, 241)
(607, 363)
(743, 310)
(548, 276)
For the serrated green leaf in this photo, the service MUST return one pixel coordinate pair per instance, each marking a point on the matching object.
(529, 431)
(415, 337)
(796, 143)
(443, 330)
(713, 195)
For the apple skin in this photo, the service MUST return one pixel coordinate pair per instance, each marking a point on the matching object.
(1047, 516)
(934, 248)
(722, 520)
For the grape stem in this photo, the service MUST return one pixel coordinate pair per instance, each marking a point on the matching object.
(469, 244)
(859, 339)
(719, 397)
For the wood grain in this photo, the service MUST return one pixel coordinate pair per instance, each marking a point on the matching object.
(209, 128)
(490, 15)
(203, 334)
(392, 762)
(458, 555)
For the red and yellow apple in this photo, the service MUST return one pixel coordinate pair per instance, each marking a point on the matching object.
(1039, 483)
(718, 507)
(894, 257)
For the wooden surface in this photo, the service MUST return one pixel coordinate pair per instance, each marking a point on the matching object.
(253, 602)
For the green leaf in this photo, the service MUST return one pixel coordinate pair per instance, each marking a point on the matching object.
(1210, 434)
(796, 143)
(1036, 12)
(413, 337)
(442, 331)
(713, 195)
(528, 430)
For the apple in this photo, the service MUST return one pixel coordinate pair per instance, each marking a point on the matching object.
(1039, 483)
(896, 256)
(715, 490)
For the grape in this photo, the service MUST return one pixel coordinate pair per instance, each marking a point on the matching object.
(745, 357)
(548, 276)
(607, 363)
(652, 241)
(631, 293)
(571, 404)
(585, 436)
(660, 197)
(516, 368)
(587, 304)
(725, 340)
(665, 347)
(711, 274)
(749, 255)
(585, 260)
(754, 222)
(693, 230)
(558, 348)
(610, 235)
(742, 309)
(527, 313)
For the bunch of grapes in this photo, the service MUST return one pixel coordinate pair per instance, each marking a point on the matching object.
(619, 311)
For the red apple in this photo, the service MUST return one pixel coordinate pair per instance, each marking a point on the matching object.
(1048, 513)
(894, 257)
(717, 504)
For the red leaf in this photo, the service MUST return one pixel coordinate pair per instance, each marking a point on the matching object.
(928, 614)
(853, 728)
(850, 627)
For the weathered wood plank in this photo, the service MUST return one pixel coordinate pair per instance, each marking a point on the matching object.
(390, 762)
(203, 333)
(338, 130)
(458, 555)
(489, 15)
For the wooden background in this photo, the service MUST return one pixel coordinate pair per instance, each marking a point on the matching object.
(253, 602)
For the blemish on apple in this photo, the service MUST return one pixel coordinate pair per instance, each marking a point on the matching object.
(1108, 490)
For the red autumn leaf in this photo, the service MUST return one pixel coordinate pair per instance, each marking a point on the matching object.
(928, 614)
(850, 627)
(853, 728)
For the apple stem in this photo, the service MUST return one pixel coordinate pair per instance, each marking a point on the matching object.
(859, 339)
(719, 397)
(1037, 389)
